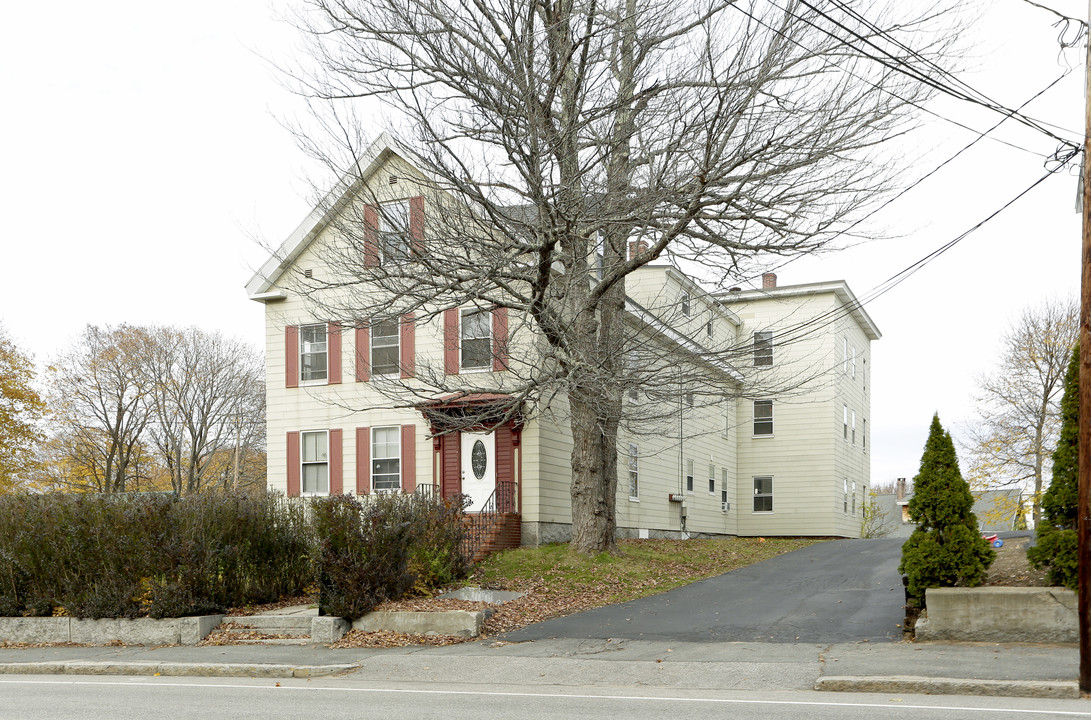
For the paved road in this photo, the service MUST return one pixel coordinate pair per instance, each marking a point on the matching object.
(45, 698)
(839, 591)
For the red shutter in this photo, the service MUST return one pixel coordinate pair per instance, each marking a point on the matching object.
(293, 464)
(416, 225)
(408, 346)
(363, 460)
(333, 353)
(371, 236)
(500, 338)
(291, 356)
(450, 464)
(337, 485)
(363, 350)
(409, 458)
(450, 341)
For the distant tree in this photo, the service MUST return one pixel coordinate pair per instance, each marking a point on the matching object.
(946, 548)
(874, 520)
(21, 407)
(1057, 546)
(1018, 405)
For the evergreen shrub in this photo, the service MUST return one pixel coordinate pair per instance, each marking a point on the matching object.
(1056, 548)
(946, 548)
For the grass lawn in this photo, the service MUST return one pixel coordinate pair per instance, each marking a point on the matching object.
(558, 582)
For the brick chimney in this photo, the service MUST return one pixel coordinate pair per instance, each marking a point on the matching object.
(899, 488)
(768, 281)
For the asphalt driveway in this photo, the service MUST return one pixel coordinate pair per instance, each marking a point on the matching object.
(830, 592)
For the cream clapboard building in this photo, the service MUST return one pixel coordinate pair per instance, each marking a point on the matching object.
(774, 443)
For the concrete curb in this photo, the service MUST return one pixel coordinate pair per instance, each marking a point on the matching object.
(1059, 689)
(259, 670)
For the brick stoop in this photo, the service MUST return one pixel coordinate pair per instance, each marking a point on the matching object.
(505, 534)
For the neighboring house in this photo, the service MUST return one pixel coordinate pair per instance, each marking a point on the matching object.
(997, 510)
(751, 462)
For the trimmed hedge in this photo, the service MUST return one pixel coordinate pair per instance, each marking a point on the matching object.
(97, 556)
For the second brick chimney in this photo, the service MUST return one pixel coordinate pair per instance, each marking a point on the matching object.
(768, 281)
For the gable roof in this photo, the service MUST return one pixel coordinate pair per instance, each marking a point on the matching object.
(261, 285)
(840, 288)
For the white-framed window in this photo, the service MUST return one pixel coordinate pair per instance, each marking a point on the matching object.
(313, 360)
(684, 302)
(728, 402)
(689, 476)
(853, 427)
(386, 462)
(763, 493)
(711, 479)
(725, 503)
(394, 231)
(689, 399)
(476, 336)
(708, 325)
(314, 461)
(634, 472)
(845, 410)
(864, 373)
(385, 350)
(863, 435)
(854, 362)
(763, 417)
(845, 497)
(854, 498)
(845, 354)
(763, 348)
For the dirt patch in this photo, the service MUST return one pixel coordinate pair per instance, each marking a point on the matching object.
(1011, 568)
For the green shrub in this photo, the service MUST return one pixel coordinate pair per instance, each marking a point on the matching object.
(435, 556)
(946, 548)
(1056, 548)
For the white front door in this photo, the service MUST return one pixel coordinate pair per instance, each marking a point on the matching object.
(478, 467)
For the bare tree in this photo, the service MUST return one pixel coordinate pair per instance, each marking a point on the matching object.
(133, 400)
(567, 144)
(1018, 405)
(100, 404)
(202, 392)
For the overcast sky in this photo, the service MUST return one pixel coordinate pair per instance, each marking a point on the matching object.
(142, 157)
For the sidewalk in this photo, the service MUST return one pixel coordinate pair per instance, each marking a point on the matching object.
(932, 668)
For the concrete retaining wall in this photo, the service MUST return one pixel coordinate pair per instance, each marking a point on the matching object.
(139, 631)
(463, 623)
(999, 614)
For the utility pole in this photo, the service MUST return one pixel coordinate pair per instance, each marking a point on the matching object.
(1084, 522)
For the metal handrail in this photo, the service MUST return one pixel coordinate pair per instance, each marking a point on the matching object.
(501, 501)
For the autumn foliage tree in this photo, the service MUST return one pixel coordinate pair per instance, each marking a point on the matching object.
(946, 548)
(21, 408)
(1019, 414)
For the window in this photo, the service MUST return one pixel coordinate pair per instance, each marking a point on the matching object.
(845, 408)
(763, 348)
(394, 232)
(725, 505)
(633, 393)
(763, 494)
(689, 399)
(863, 435)
(853, 427)
(708, 325)
(315, 462)
(845, 354)
(854, 498)
(312, 353)
(854, 363)
(476, 330)
(711, 479)
(727, 417)
(689, 476)
(845, 497)
(386, 470)
(384, 347)
(864, 373)
(634, 472)
(685, 304)
(763, 417)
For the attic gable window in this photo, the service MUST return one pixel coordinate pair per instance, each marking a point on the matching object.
(313, 360)
(476, 330)
(394, 232)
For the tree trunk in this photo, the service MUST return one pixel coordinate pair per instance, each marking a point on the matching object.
(593, 517)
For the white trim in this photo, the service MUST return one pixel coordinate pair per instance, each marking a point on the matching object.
(371, 459)
(302, 463)
(838, 287)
